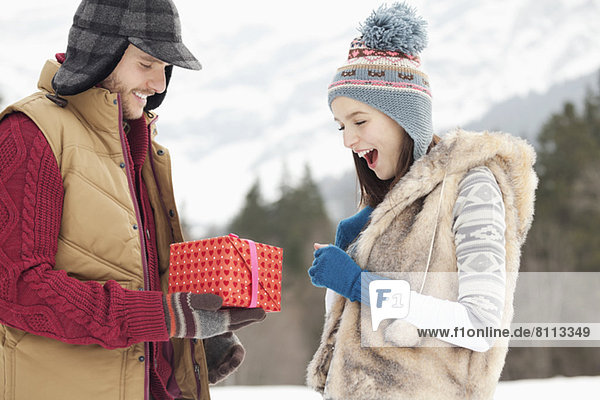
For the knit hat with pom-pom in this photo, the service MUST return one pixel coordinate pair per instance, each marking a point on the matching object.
(383, 71)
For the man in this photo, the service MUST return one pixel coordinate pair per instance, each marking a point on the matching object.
(87, 215)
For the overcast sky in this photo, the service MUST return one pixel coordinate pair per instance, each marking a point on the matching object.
(267, 64)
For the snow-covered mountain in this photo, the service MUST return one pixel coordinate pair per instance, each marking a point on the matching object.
(525, 115)
(260, 102)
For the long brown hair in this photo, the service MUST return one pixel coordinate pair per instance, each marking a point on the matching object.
(373, 189)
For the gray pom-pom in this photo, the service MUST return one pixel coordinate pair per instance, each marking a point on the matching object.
(396, 28)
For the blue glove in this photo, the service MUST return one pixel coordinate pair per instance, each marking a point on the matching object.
(349, 228)
(334, 269)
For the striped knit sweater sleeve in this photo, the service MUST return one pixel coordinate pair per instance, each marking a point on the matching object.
(480, 247)
(34, 296)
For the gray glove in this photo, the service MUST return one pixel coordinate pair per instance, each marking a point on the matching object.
(224, 354)
(198, 316)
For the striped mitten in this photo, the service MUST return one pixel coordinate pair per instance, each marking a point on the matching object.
(198, 316)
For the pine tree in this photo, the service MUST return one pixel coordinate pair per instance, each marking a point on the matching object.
(294, 222)
(567, 221)
(254, 219)
(300, 219)
(566, 229)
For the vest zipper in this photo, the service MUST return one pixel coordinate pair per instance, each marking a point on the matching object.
(193, 342)
(140, 232)
(196, 367)
(153, 168)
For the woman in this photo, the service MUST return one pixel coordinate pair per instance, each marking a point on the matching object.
(449, 214)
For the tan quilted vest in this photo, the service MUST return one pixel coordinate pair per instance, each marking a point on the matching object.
(398, 240)
(99, 240)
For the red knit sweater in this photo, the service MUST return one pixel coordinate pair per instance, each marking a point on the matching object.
(35, 297)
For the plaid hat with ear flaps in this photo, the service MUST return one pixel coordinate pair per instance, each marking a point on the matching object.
(102, 31)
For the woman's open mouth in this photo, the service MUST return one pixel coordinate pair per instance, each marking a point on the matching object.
(370, 156)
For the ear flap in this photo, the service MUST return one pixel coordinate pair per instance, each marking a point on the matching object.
(85, 67)
(155, 100)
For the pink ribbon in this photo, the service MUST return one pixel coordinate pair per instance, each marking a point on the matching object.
(254, 261)
(254, 269)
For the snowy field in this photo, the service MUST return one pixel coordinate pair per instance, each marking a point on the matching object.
(581, 388)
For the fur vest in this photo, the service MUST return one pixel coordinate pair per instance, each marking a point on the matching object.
(398, 240)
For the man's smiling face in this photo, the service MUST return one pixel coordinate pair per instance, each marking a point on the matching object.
(137, 76)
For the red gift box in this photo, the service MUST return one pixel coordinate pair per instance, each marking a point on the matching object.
(242, 272)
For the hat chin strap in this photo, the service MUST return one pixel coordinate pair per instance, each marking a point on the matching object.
(56, 99)
(155, 100)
